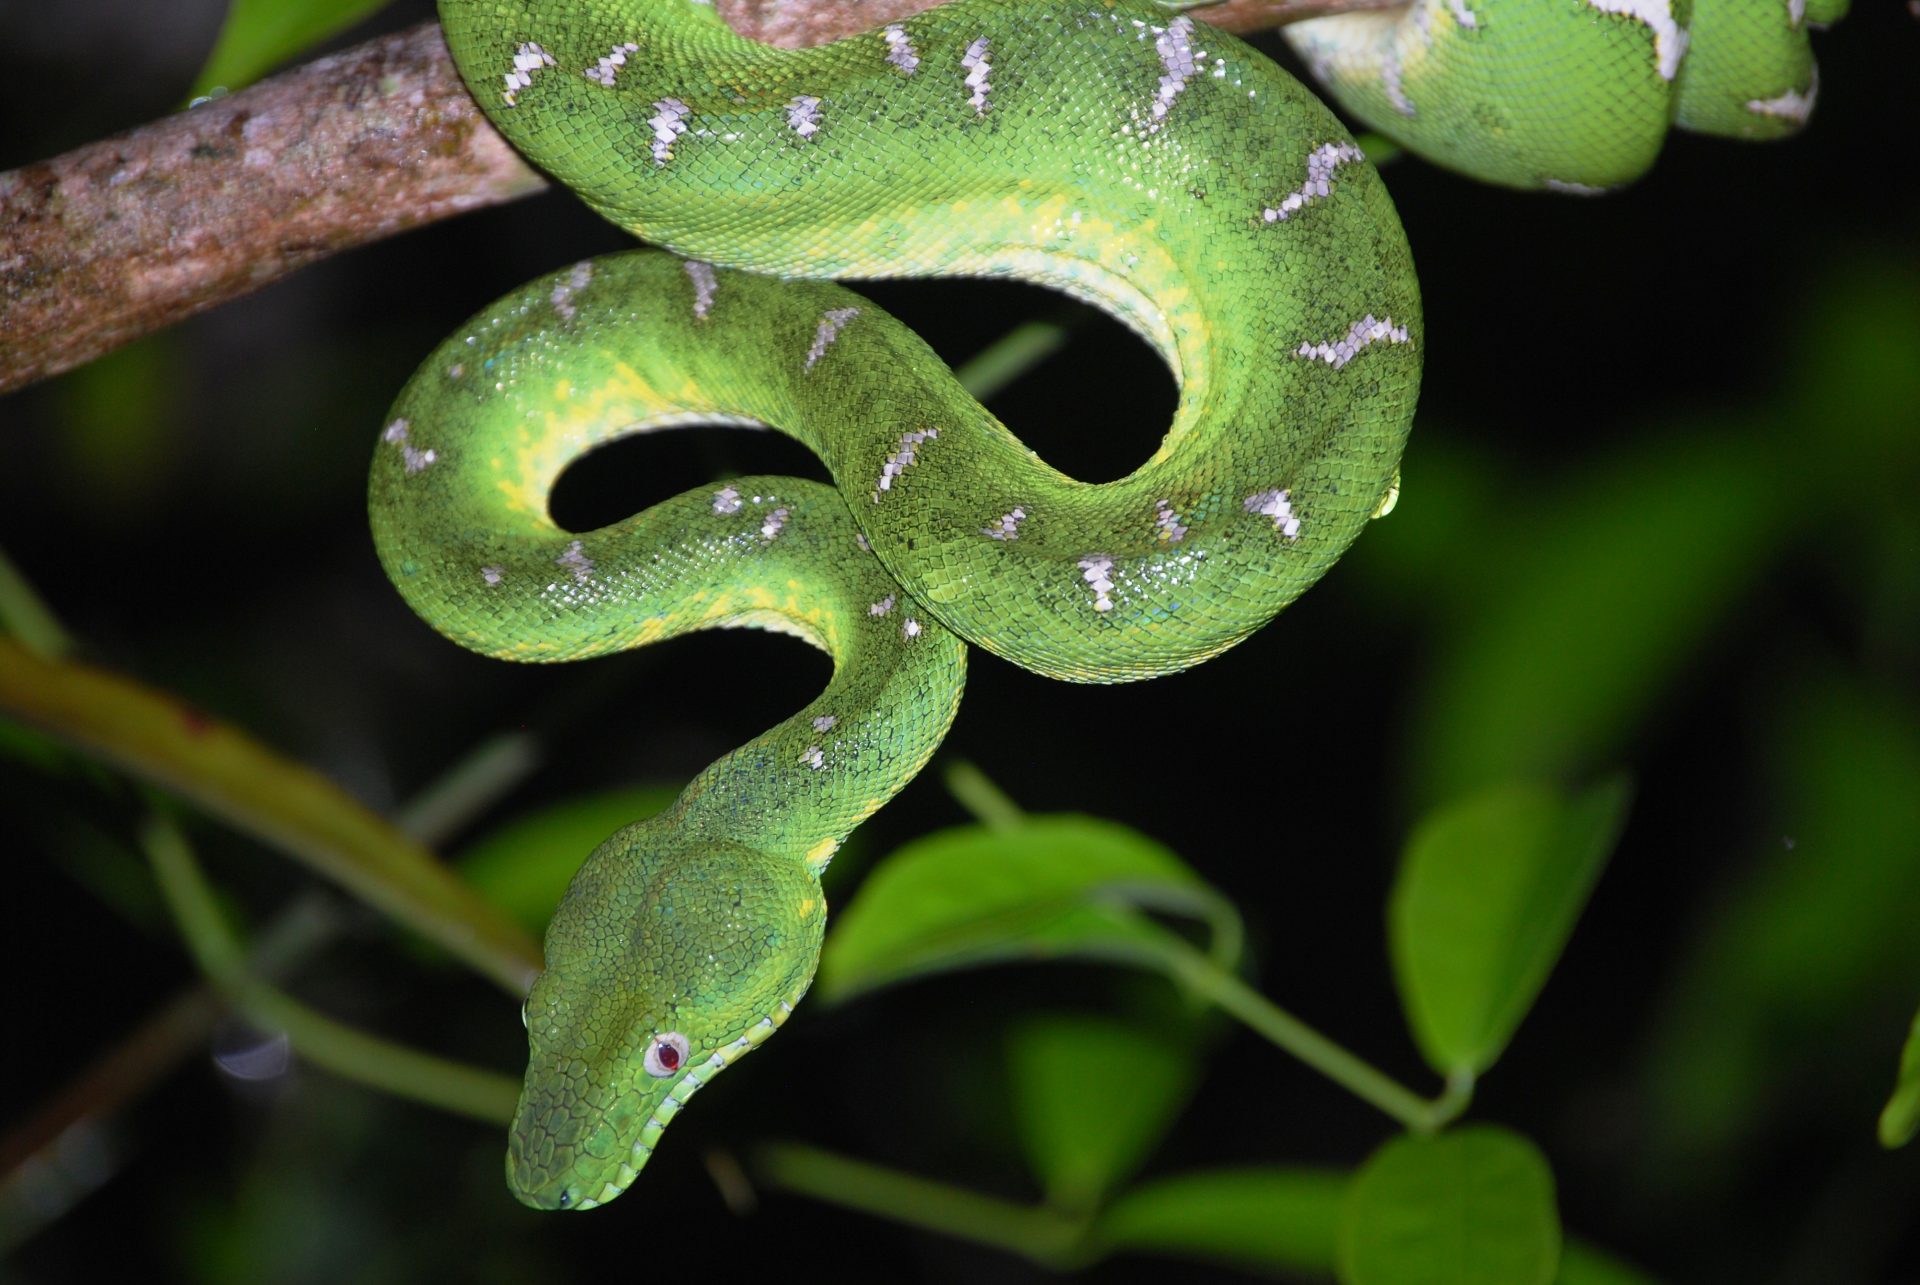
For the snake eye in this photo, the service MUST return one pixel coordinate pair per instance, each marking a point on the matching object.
(666, 1055)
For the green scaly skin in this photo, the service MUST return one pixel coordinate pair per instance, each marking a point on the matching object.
(1572, 95)
(1157, 168)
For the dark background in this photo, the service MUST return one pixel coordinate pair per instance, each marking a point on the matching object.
(193, 508)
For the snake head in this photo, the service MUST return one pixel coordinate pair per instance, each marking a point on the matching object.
(669, 958)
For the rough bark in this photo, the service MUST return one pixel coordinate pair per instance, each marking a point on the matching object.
(132, 233)
(121, 237)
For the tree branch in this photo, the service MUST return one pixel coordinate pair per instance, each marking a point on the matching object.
(124, 236)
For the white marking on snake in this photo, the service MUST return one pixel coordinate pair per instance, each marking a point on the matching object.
(527, 59)
(1796, 11)
(1168, 523)
(910, 630)
(1277, 505)
(668, 122)
(814, 757)
(900, 50)
(492, 575)
(726, 500)
(829, 330)
(825, 723)
(1006, 527)
(1319, 60)
(771, 527)
(603, 72)
(1096, 569)
(411, 456)
(1792, 105)
(1322, 161)
(902, 459)
(576, 561)
(704, 284)
(1338, 352)
(881, 607)
(803, 116)
(1669, 37)
(1572, 188)
(978, 69)
(1390, 82)
(860, 538)
(1462, 14)
(1178, 57)
(577, 280)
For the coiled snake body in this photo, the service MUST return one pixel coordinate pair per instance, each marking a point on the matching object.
(1122, 154)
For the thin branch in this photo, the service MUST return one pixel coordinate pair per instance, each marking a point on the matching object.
(119, 238)
(227, 773)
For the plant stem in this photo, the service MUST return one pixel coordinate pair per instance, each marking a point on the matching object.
(979, 795)
(1040, 1234)
(353, 1054)
(479, 777)
(1011, 356)
(159, 739)
(25, 615)
(1362, 1079)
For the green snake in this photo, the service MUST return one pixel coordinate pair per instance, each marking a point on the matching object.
(1108, 148)
(1572, 95)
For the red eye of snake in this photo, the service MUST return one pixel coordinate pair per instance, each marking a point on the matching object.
(666, 1055)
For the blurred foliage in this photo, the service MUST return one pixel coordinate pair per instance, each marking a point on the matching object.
(1658, 513)
(1091, 1095)
(259, 35)
(1471, 1207)
(524, 865)
(1900, 1121)
(1488, 892)
(1276, 1218)
(1816, 939)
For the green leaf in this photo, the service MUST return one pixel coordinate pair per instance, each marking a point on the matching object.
(524, 866)
(1284, 1219)
(1811, 946)
(1584, 603)
(1092, 1095)
(1901, 1119)
(1048, 888)
(1488, 891)
(1472, 1206)
(261, 34)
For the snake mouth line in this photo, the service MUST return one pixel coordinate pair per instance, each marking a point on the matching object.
(691, 1081)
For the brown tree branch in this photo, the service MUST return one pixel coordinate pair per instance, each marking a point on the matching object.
(132, 233)
(121, 237)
